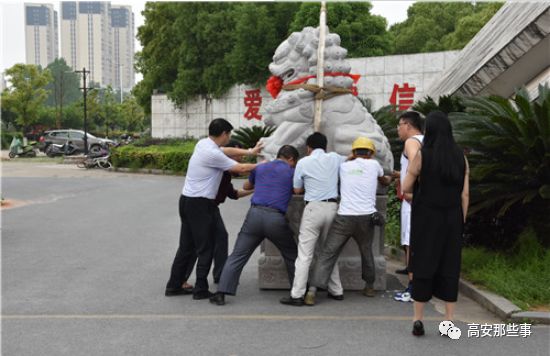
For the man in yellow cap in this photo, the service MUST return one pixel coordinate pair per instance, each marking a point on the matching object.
(357, 214)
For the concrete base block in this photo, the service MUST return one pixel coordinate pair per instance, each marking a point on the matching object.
(272, 270)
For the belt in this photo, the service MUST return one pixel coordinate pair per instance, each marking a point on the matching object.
(331, 200)
(263, 207)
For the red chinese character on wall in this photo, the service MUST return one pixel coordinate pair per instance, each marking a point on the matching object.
(402, 96)
(253, 101)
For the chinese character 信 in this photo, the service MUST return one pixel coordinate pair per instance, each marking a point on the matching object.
(403, 97)
(253, 101)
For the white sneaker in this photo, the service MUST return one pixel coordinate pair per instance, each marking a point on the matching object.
(403, 297)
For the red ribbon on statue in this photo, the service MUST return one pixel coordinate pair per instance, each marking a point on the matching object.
(275, 84)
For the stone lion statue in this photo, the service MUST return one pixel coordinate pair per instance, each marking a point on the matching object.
(344, 118)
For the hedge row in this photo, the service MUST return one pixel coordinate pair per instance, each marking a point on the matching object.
(173, 158)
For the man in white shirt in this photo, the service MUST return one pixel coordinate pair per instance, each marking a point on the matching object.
(356, 216)
(317, 174)
(197, 207)
(409, 130)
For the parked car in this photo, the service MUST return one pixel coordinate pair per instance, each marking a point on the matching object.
(61, 137)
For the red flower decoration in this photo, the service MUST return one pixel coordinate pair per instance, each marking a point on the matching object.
(274, 86)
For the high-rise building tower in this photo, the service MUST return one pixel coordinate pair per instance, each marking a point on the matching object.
(122, 23)
(41, 44)
(86, 38)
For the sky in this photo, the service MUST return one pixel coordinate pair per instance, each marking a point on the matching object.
(12, 25)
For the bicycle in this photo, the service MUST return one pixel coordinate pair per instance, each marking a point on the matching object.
(92, 162)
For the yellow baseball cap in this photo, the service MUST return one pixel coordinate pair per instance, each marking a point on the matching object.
(363, 143)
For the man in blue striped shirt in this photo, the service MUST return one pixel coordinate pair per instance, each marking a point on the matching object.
(272, 184)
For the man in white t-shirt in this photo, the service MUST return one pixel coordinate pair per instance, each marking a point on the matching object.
(357, 215)
(197, 207)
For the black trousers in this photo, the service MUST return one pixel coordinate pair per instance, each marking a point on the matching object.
(198, 228)
(220, 250)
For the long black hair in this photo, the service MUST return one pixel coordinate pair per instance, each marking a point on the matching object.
(448, 158)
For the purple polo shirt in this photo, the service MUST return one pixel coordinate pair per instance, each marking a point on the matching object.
(272, 185)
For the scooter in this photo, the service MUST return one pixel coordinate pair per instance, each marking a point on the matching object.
(18, 149)
(66, 149)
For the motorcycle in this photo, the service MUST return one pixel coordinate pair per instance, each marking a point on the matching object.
(99, 158)
(67, 149)
(18, 149)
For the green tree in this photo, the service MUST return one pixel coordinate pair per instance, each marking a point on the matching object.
(440, 26)
(27, 93)
(362, 34)
(132, 115)
(94, 111)
(468, 26)
(109, 110)
(64, 87)
(73, 116)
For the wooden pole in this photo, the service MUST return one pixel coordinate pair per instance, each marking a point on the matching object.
(320, 65)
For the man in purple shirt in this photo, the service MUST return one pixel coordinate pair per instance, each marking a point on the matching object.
(272, 184)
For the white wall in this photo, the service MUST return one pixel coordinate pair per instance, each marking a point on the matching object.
(378, 76)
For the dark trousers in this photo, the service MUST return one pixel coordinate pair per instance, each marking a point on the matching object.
(343, 228)
(198, 229)
(220, 250)
(260, 223)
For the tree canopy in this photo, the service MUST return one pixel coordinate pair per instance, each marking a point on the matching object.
(203, 49)
(27, 94)
(64, 88)
(195, 49)
(440, 26)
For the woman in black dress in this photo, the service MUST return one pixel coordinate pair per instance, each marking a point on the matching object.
(438, 179)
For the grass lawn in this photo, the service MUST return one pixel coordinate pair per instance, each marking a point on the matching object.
(521, 275)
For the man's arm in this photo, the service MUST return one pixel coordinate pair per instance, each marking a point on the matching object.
(411, 149)
(299, 190)
(248, 185)
(385, 180)
(297, 180)
(244, 192)
(234, 151)
(412, 173)
(241, 168)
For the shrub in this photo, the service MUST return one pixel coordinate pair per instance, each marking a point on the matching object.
(7, 137)
(510, 156)
(164, 157)
(249, 136)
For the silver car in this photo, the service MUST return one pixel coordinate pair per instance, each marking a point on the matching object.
(61, 137)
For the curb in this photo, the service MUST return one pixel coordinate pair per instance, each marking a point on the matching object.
(145, 171)
(500, 306)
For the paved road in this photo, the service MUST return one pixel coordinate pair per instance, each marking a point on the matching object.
(86, 255)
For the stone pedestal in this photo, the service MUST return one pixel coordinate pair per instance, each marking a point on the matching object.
(272, 270)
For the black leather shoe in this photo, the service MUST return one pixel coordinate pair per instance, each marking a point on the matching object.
(170, 292)
(335, 297)
(402, 271)
(218, 299)
(418, 328)
(203, 294)
(297, 302)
